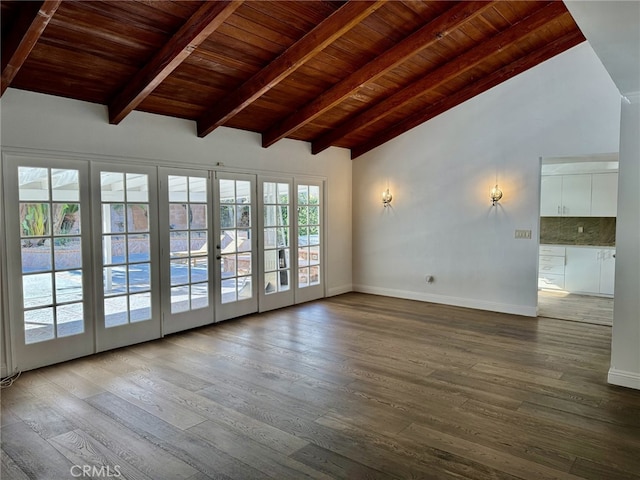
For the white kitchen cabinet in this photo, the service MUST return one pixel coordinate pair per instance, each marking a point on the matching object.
(576, 195)
(604, 195)
(607, 271)
(582, 195)
(565, 195)
(551, 196)
(551, 267)
(582, 271)
(589, 270)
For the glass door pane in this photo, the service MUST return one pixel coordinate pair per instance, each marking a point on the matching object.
(276, 279)
(128, 244)
(309, 278)
(48, 257)
(236, 247)
(185, 229)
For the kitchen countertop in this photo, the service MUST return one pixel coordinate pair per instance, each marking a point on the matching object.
(599, 247)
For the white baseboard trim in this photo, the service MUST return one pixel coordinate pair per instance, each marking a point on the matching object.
(447, 300)
(332, 292)
(623, 378)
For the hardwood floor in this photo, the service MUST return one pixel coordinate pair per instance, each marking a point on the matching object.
(577, 308)
(355, 386)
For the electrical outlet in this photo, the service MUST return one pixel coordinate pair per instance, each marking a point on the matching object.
(524, 234)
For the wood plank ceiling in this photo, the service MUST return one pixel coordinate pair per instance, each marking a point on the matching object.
(351, 74)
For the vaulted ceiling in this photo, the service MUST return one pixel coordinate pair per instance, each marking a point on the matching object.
(352, 74)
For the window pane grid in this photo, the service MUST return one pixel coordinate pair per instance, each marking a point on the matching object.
(51, 253)
(189, 261)
(308, 235)
(125, 248)
(235, 240)
(276, 237)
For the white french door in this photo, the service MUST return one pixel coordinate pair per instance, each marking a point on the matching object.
(309, 233)
(235, 246)
(185, 226)
(103, 255)
(126, 239)
(49, 261)
(275, 239)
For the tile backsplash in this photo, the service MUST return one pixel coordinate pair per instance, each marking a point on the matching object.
(598, 231)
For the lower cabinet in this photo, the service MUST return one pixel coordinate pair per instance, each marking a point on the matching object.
(589, 270)
(551, 267)
(607, 272)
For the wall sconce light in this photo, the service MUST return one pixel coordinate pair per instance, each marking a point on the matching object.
(496, 195)
(386, 198)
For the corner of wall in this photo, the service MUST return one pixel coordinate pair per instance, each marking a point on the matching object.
(623, 378)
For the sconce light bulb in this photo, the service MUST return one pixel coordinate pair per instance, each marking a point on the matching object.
(386, 197)
(496, 194)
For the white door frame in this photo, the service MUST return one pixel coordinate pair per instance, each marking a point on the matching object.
(131, 332)
(225, 310)
(276, 299)
(189, 318)
(28, 356)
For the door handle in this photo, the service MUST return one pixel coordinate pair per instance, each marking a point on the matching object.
(218, 257)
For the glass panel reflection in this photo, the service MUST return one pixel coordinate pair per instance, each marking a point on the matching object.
(137, 187)
(68, 286)
(198, 217)
(38, 325)
(199, 295)
(112, 186)
(140, 307)
(70, 319)
(116, 311)
(37, 290)
(178, 218)
(66, 219)
(180, 299)
(197, 189)
(177, 188)
(139, 277)
(138, 218)
(33, 184)
(36, 255)
(65, 185)
(35, 219)
(115, 280)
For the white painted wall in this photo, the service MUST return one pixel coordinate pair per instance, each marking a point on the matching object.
(613, 28)
(47, 123)
(50, 123)
(440, 173)
(625, 341)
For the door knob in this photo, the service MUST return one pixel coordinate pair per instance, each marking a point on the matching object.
(218, 257)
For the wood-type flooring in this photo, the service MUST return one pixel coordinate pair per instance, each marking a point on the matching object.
(577, 308)
(351, 387)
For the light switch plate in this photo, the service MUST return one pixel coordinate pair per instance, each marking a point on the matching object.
(525, 234)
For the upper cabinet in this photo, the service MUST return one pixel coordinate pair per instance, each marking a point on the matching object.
(604, 195)
(581, 195)
(551, 196)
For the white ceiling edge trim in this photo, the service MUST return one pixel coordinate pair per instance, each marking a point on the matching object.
(631, 97)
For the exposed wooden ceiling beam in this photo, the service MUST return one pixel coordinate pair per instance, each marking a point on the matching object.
(33, 19)
(419, 40)
(442, 75)
(196, 30)
(511, 70)
(326, 32)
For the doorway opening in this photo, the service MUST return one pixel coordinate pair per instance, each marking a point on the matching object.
(578, 208)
